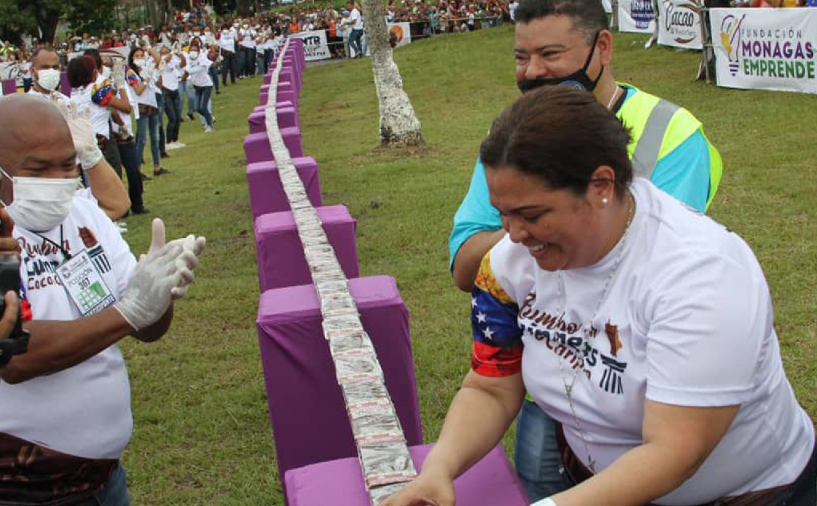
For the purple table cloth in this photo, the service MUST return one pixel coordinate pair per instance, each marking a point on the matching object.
(9, 86)
(266, 192)
(285, 91)
(306, 407)
(297, 46)
(278, 105)
(283, 96)
(257, 147)
(280, 253)
(491, 482)
(282, 85)
(287, 118)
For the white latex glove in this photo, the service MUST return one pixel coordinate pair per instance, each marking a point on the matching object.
(192, 246)
(82, 132)
(150, 289)
(118, 75)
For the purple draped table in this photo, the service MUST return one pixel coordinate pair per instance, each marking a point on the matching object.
(491, 482)
(267, 193)
(257, 147)
(287, 118)
(306, 407)
(280, 253)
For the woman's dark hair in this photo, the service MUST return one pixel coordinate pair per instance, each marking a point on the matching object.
(588, 15)
(560, 135)
(81, 71)
(132, 65)
(94, 53)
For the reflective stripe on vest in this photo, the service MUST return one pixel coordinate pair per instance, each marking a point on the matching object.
(645, 155)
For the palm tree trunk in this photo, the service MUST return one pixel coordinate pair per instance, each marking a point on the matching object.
(399, 125)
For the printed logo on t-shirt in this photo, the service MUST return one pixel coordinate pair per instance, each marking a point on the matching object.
(579, 349)
(95, 251)
(41, 260)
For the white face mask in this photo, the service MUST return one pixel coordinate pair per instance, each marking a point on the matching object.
(139, 63)
(48, 79)
(40, 204)
(194, 55)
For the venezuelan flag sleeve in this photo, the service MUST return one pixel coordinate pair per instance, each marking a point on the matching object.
(102, 93)
(497, 337)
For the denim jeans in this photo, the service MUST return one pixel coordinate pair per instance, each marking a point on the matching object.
(536, 456)
(354, 42)
(213, 71)
(191, 98)
(160, 104)
(115, 492)
(228, 66)
(173, 111)
(131, 162)
(203, 101)
(148, 125)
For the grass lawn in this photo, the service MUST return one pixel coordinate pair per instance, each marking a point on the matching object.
(202, 434)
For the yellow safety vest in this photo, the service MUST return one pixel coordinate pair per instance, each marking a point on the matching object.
(657, 127)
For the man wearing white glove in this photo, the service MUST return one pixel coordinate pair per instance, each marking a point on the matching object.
(65, 415)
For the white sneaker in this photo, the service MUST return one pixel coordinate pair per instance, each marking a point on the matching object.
(171, 146)
(208, 129)
(180, 144)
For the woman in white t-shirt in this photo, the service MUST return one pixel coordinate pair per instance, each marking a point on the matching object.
(143, 76)
(644, 328)
(198, 66)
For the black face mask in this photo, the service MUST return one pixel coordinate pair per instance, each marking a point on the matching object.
(578, 79)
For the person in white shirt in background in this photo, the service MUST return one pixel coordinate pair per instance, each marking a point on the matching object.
(227, 43)
(143, 78)
(198, 67)
(95, 95)
(355, 36)
(46, 71)
(105, 185)
(246, 60)
(122, 133)
(170, 65)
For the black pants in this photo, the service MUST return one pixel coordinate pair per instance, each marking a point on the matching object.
(111, 155)
(130, 160)
(174, 122)
(228, 65)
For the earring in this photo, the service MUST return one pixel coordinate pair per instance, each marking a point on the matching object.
(604, 202)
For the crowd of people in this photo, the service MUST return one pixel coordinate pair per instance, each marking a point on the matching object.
(641, 330)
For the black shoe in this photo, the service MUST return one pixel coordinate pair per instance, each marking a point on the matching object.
(164, 154)
(141, 210)
(161, 171)
(145, 177)
(218, 92)
(190, 115)
(181, 120)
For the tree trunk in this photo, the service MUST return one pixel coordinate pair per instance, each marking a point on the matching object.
(47, 17)
(399, 125)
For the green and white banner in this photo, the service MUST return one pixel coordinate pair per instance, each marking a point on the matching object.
(766, 49)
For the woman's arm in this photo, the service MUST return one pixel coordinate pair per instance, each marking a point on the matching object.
(677, 440)
(479, 415)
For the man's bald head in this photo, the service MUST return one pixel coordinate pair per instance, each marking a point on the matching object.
(45, 58)
(35, 140)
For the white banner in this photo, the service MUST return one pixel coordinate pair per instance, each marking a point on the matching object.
(636, 16)
(768, 49)
(315, 46)
(400, 33)
(679, 24)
